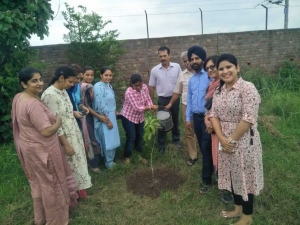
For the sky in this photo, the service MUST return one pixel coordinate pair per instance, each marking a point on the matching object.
(174, 17)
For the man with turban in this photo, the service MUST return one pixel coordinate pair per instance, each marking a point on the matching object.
(195, 111)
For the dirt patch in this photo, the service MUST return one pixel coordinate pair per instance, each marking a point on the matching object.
(141, 182)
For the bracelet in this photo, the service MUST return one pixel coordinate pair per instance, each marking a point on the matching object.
(232, 141)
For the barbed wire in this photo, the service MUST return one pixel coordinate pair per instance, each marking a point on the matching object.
(218, 10)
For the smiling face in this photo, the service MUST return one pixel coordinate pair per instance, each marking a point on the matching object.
(211, 70)
(228, 72)
(88, 76)
(35, 85)
(106, 77)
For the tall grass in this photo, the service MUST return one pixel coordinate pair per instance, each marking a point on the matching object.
(111, 202)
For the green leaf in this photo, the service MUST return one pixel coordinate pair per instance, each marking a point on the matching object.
(2, 129)
(1, 16)
(6, 117)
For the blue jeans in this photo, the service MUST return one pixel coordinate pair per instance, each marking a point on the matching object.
(204, 141)
(134, 136)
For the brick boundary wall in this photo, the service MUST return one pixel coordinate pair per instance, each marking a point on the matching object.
(265, 50)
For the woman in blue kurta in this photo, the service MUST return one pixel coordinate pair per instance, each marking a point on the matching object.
(106, 127)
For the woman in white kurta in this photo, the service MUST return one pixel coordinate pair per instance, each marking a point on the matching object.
(58, 101)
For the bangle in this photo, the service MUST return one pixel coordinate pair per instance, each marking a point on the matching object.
(232, 141)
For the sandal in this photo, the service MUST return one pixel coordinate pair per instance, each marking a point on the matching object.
(224, 215)
(191, 162)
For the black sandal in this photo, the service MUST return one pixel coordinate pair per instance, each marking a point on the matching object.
(191, 162)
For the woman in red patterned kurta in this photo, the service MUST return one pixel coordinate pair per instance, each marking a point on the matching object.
(234, 118)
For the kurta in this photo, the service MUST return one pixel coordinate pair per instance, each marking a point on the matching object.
(104, 103)
(52, 183)
(59, 103)
(244, 167)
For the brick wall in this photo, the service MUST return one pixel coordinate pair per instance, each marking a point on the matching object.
(254, 49)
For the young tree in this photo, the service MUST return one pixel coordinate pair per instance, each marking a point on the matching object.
(89, 43)
(19, 19)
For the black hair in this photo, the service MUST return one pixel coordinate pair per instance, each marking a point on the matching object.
(213, 58)
(164, 48)
(104, 69)
(225, 57)
(87, 68)
(63, 71)
(27, 73)
(136, 77)
(78, 69)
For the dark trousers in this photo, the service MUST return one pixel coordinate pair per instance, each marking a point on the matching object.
(134, 136)
(204, 141)
(93, 163)
(161, 135)
(246, 205)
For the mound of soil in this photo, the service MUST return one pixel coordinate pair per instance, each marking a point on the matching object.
(141, 182)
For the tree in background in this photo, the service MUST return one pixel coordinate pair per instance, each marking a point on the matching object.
(19, 19)
(89, 43)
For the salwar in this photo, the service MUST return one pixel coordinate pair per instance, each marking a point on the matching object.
(94, 163)
(246, 205)
(109, 158)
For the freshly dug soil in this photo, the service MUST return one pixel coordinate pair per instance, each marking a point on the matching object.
(141, 182)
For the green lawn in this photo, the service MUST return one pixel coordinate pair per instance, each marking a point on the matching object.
(111, 203)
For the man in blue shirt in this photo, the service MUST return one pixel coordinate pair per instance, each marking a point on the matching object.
(197, 87)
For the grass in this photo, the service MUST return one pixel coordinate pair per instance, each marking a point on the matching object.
(111, 203)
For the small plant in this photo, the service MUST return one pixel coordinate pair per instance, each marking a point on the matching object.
(151, 125)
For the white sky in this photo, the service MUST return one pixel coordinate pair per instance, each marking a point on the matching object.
(175, 17)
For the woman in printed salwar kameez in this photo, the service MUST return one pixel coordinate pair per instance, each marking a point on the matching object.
(58, 101)
(52, 183)
(105, 122)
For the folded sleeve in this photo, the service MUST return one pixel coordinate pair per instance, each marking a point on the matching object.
(250, 103)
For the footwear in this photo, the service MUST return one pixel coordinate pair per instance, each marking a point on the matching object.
(225, 214)
(96, 170)
(127, 160)
(177, 144)
(145, 161)
(191, 162)
(161, 150)
(205, 188)
(227, 198)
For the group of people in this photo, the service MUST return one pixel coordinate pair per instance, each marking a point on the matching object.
(74, 123)
(220, 111)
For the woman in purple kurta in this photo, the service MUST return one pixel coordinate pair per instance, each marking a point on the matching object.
(53, 186)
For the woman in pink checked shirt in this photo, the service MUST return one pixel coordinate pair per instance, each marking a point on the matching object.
(137, 101)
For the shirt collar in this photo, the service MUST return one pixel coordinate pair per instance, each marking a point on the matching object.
(237, 84)
(171, 65)
(201, 72)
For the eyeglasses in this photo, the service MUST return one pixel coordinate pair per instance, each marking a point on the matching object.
(212, 67)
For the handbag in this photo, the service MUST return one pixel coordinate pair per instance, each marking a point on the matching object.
(208, 103)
